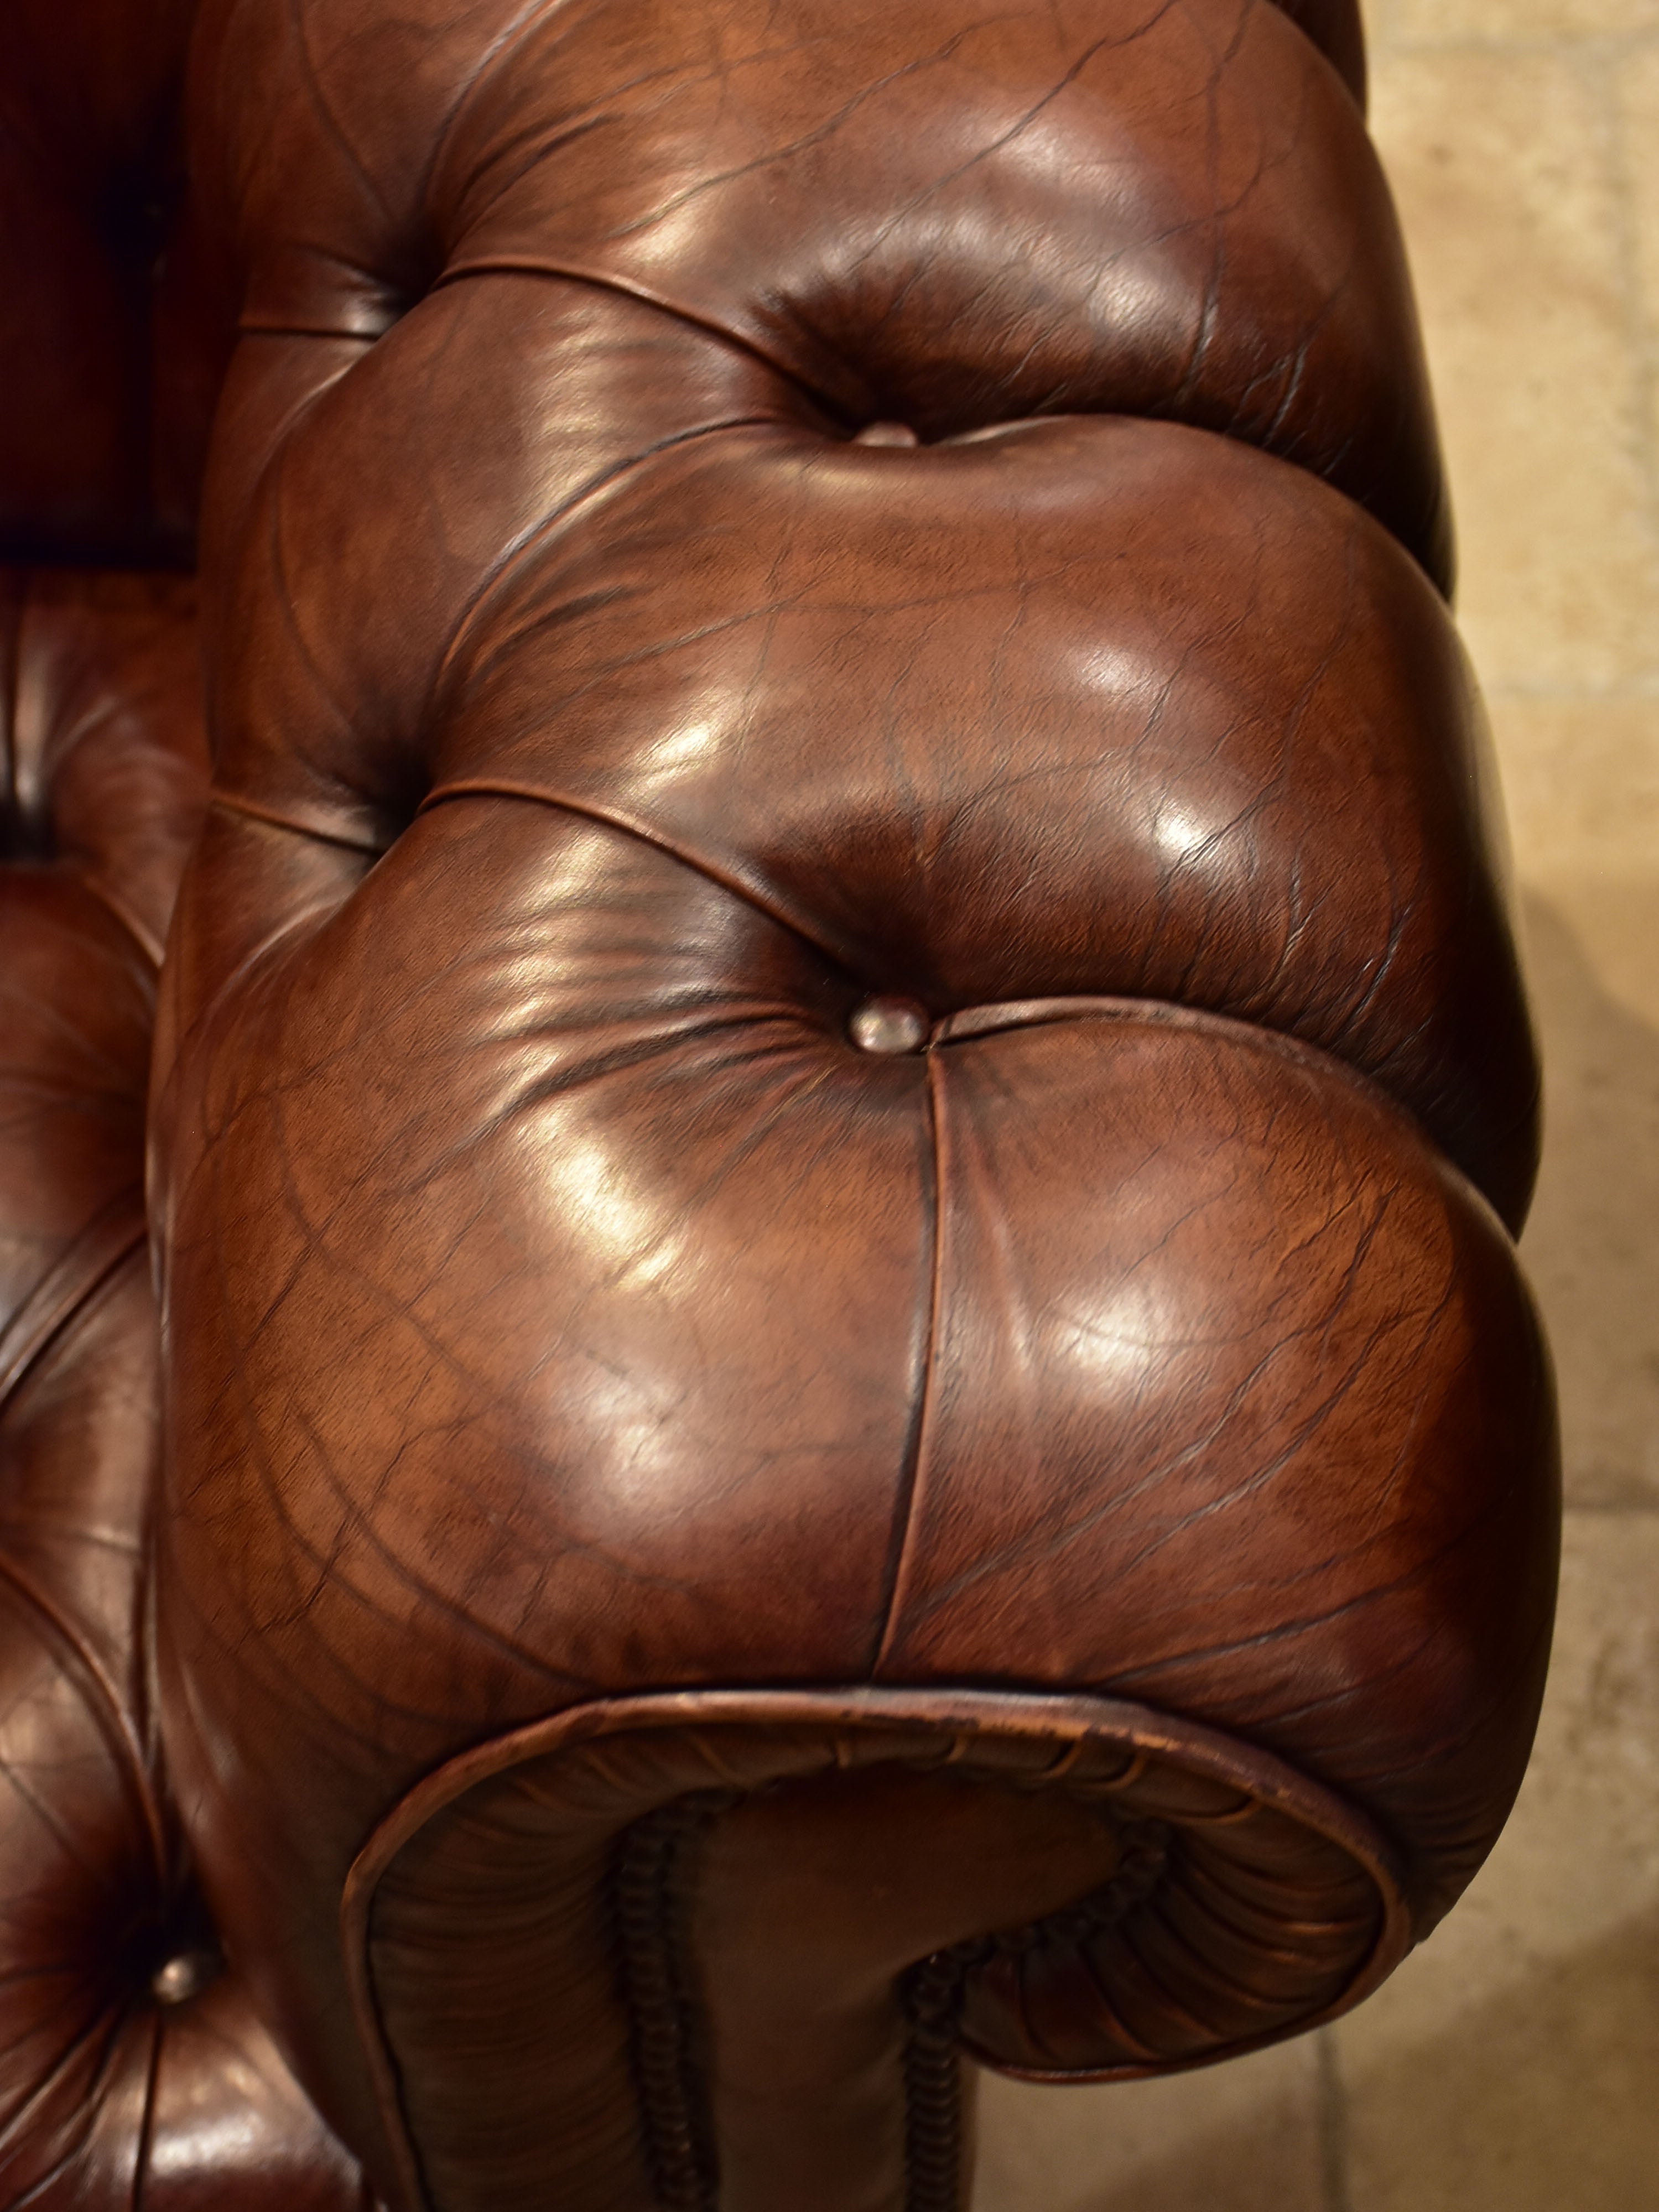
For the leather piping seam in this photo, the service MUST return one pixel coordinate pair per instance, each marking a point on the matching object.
(969, 1022)
(990, 1020)
(524, 264)
(84, 1661)
(905, 1514)
(843, 410)
(1074, 1720)
(1172, 1013)
(478, 787)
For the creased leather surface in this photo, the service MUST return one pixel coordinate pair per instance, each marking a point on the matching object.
(110, 2095)
(562, 1304)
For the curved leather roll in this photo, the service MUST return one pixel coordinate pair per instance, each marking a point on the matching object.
(846, 1018)
(131, 2065)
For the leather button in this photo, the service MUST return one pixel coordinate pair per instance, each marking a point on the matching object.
(890, 1024)
(184, 1977)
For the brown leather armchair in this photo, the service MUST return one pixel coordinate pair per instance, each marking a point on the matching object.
(133, 2067)
(841, 1100)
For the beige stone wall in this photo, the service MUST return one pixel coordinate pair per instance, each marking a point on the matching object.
(1513, 2065)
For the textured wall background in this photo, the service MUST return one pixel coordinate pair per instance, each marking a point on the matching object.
(1511, 2065)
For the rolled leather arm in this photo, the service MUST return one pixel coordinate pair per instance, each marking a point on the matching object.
(133, 2068)
(845, 1091)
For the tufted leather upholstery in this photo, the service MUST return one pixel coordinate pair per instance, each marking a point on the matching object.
(131, 2067)
(840, 1101)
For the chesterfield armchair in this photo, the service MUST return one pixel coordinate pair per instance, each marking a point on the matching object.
(830, 1385)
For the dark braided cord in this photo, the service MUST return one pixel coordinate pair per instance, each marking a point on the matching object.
(648, 1887)
(935, 1991)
